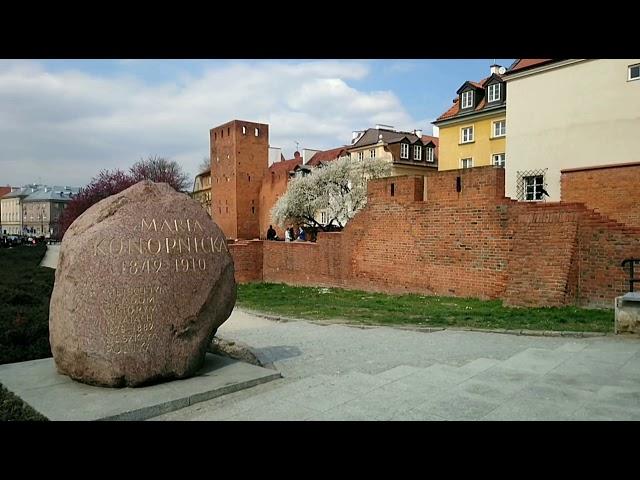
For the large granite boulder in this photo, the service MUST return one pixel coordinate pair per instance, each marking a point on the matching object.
(144, 280)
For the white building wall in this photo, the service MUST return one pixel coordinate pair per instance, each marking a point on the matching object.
(578, 115)
(274, 155)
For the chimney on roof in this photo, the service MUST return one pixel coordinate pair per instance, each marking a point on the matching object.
(296, 154)
(380, 126)
(494, 68)
(418, 133)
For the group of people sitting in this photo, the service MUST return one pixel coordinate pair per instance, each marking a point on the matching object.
(289, 234)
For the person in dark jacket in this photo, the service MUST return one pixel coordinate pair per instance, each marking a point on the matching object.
(271, 233)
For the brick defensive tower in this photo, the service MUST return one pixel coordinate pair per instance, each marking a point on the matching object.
(239, 161)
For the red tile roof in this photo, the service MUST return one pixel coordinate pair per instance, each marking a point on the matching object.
(285, 165)
(523, 63)
(429, 138)
(436, 140)
(327, 156)
(455, 109)
(452, 112)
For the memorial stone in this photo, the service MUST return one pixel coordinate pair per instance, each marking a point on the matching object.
(143, 282)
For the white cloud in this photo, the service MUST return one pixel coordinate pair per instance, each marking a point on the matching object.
(64, 126)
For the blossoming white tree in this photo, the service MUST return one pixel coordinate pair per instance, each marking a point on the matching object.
(339, 189)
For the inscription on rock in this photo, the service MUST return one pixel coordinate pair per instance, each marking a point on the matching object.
(145, 279)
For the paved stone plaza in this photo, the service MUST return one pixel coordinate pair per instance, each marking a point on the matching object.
(337, 372)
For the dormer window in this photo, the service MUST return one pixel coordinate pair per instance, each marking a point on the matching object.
(429, 152)
(417, 152)
(404, 151)
(493, 92)
(467, 99)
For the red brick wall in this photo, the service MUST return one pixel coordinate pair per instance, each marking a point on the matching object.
(472, 243)
(400, 189)
(431, 247)
(543, 243)
(274, 185)
(238, 164)
(247, 260)
(482, 184)
(223, 179)
(306, 263)
(613, 191)
(601, 247)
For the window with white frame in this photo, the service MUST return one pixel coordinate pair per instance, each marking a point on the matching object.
(500, 128)
(324, 218)
(498, 159)
(466, 162)
(493, 92)
(244, 130)
(372, 153)
(466, 135)
(404, 150)
(360, 155)
(634, 72)
(256, 132)
(417, 152)
(429, 154)
(467, 99)
(533, 187)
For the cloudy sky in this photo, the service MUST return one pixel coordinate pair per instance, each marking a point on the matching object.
(62, 121)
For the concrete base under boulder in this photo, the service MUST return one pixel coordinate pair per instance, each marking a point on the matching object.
(57, 397)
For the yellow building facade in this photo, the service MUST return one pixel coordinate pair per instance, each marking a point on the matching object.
(473, 131)
(202, 190)
(486, 148)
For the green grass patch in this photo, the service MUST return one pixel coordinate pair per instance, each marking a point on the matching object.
(14, 409)
(319, 303)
